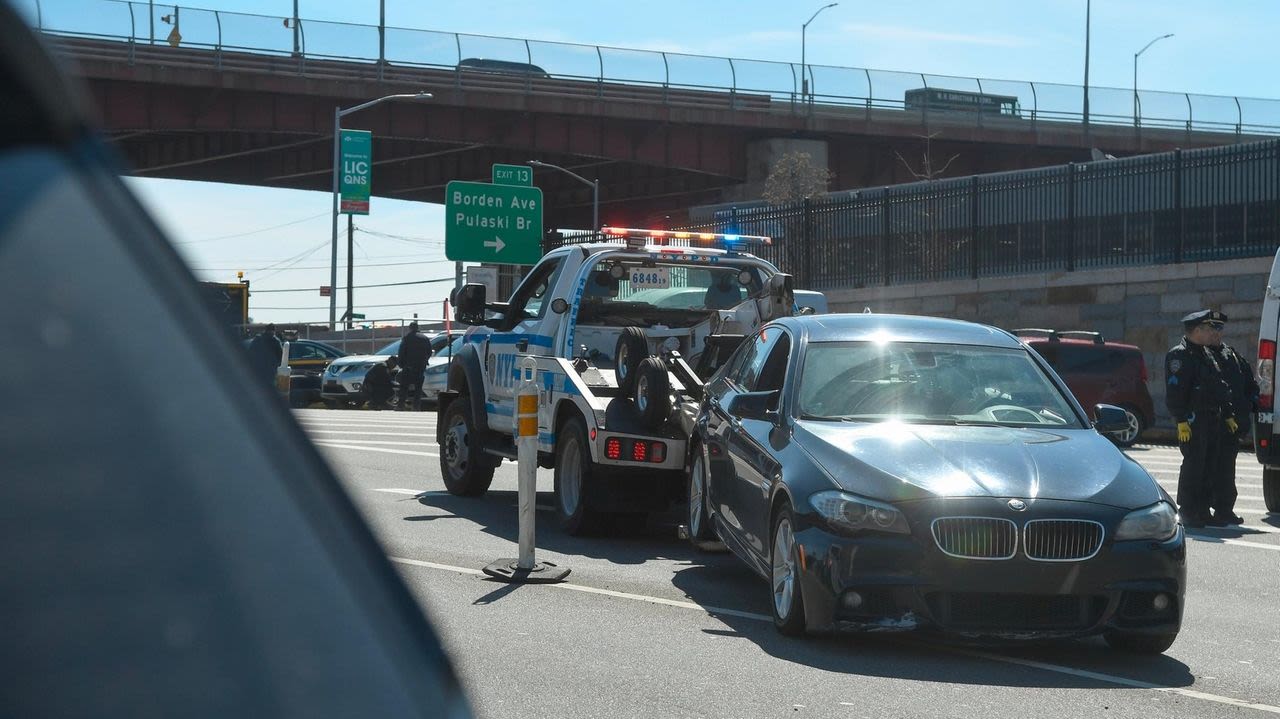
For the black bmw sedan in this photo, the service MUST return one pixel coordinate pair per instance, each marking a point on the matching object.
(894, 473)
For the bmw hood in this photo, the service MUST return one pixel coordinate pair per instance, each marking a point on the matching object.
(894, 462)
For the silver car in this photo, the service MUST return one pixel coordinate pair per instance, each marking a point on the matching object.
(343, 384)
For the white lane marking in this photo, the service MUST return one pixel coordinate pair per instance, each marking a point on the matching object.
(1211, 539)
(607, 593)
(1111, 678)
(1030, 663)
(397, 490)
(363, 434)
(335, 445)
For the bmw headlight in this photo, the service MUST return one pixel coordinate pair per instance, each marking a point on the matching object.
(853, 513)
(1158, 522)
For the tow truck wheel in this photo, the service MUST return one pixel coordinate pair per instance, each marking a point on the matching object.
(1271, 488)
(466, 469)
(653, 391)
(632, 347)
(573, 475)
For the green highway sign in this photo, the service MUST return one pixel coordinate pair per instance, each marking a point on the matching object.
(356, 316)
(492, 223)
(356, 150)
(513, 175)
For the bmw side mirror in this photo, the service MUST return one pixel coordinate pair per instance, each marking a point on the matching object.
(468, 303)
(754, 405)
(1109, 418)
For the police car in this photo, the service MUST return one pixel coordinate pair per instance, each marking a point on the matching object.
(615, 330)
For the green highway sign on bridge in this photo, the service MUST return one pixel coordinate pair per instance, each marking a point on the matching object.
(512, 175)
(492, 223)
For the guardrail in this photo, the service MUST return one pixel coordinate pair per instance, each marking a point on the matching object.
(749, 84)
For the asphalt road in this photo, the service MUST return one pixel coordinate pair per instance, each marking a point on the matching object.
(646, 626)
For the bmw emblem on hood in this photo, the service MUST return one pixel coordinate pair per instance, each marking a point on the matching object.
(1017, 505)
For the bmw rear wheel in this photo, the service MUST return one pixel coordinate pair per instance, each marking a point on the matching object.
(700, 529)
(787, 604)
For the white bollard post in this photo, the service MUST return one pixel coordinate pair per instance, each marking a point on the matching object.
(283, 378)
(527, 457)
(524, 569)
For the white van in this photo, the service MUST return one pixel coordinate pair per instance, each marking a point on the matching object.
(1266, 431)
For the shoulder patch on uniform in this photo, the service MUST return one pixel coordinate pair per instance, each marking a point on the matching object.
(1175, 365)
(1173, 380)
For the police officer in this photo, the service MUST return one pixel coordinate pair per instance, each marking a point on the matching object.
(1244, 400)
(415, 350)
(1199, 399)
(377, 383)
(265, 351)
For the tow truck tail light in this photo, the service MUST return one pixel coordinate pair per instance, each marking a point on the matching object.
(1267, 374)
(1142, 368)
(635, 450)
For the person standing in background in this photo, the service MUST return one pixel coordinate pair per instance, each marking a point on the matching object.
(264, 352)
(415, 350)
(1244, 400)
(1199, 399)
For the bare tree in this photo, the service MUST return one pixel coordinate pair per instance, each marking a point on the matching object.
(927, 171)
(793, 179)
(923, 243)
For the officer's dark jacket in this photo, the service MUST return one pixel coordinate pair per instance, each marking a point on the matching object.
(1194, 382)
(378, 380)
(1240, 378)
(415, 350)
(266, 351)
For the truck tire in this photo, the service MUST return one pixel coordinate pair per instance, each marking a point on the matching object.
(632, 347)
(574, 472)
(466, 469)
(652, 392)
(1271, 488)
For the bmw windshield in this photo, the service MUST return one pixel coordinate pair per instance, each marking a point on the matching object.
(929, 384)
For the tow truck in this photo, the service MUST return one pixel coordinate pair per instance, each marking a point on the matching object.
(623, 332)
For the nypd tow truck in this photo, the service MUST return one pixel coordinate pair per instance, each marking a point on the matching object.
(623, 333)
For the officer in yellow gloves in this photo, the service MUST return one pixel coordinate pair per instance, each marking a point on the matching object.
(1198, 397)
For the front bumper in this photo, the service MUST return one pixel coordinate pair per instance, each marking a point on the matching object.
(343, 391)
(908, 583)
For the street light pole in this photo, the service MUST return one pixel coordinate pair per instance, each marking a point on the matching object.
(804, 68)
(593, 184)
(1136, 105)
(1087, 10)
(338, 114)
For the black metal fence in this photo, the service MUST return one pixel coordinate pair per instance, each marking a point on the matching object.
(1181, 206)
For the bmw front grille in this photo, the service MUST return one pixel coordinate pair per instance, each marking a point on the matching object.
(976, 537)
(1043, 540)
(1061, 540)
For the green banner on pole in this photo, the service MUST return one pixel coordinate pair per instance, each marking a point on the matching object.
(356, 156)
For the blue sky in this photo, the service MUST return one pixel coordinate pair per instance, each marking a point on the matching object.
(1223, 48)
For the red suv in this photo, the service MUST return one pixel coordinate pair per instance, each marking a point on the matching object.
(1098, 372)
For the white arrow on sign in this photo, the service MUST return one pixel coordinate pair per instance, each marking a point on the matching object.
(497, 244)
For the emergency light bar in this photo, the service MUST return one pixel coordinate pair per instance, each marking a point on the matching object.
(637, 238)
